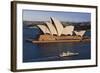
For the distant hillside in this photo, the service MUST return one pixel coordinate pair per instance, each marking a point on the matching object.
(78, 25)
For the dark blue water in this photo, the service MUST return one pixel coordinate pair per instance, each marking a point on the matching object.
(49, 52)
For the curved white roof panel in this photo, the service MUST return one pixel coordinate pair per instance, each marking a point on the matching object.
(44, 29)
(80, 33)
(58, 26)
(51, 28)
(68, 30)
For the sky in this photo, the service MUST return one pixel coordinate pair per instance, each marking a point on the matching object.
(36, 15)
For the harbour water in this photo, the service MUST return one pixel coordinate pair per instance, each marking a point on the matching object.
(50, 51)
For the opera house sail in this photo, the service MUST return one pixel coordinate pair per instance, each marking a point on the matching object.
(44, 29)
(51, 28)
(68, 30)
(80, 33)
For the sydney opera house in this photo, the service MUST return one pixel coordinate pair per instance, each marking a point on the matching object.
(54, 31)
